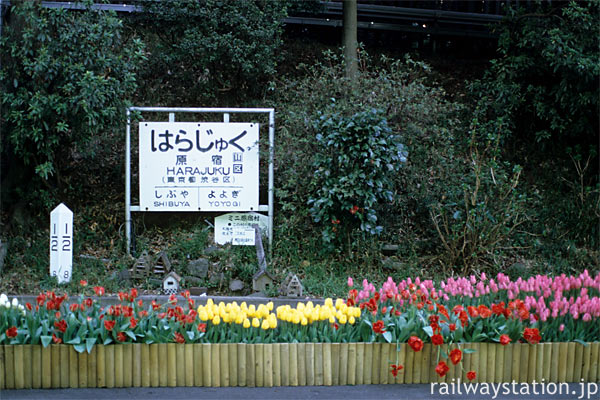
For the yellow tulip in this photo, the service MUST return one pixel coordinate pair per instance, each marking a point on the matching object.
(203, 315)
(279, 310)
(284, 316)
(216, 320)
(351, 320)
(338, 303)
(246, 323)
(304, 321)
(239, 318)
(255, 322)
(296, 317)
(270, 306)
(331, 319)
(343, 320)
(272, 321)
(329, 302)
(265, 324)
(314, 315)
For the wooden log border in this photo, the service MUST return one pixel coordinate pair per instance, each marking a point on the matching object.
(295, 364)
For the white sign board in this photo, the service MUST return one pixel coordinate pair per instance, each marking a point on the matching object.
(236, 228)
(61, 243)
(192, 166)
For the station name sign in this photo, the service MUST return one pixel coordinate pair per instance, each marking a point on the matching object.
(198, 166)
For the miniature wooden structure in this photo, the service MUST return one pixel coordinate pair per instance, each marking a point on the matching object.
(141, 267)
(262, 281)
(291, 286)
(145, 266)
(170, 284)
(162, 265)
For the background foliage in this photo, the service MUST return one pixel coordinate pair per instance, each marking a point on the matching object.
(209, 51)
(65, 79)
(539, 101)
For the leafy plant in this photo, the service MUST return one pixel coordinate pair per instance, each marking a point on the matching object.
(544, 85)
(483, 218)
(354, 170)
(539, 102)
(65, 79)
(210, 49)
(414, 109)
(482, 215)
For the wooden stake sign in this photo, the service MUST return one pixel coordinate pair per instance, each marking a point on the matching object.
(61, 243)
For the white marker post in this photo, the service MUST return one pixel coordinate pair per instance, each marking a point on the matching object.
(61, 243)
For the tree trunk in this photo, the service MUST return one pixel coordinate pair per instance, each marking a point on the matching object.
(350, 38)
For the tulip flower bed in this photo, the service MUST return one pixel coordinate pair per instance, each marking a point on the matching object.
(477, 329)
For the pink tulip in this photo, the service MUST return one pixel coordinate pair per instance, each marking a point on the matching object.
(587, 317)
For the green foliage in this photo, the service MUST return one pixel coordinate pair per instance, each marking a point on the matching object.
(355, 165)
(482, 216)
(211, 49)
(539, 102)
(65, 77)
(189, 245)
(545, 83)
(414, 109)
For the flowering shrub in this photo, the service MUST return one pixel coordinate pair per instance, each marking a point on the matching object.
(355, 166)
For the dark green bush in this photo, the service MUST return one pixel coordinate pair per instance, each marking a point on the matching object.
(354, 170)
(545, 83)
(65, 79)
(414, 110)
(539, 100)
(480, 220)
(210, 50)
